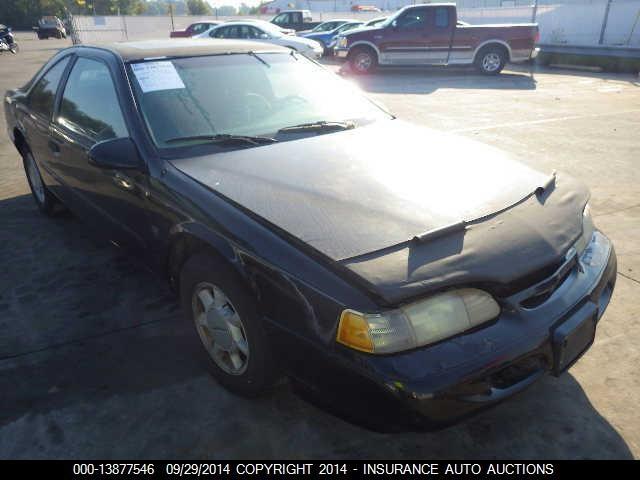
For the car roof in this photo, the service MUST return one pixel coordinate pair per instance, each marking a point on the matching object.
(253, 21)
(184, 47)
(435, 4)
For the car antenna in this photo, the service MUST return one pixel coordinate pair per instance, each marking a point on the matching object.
(253, 54)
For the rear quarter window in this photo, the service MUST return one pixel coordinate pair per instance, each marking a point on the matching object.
(97, 116)
(43, 94)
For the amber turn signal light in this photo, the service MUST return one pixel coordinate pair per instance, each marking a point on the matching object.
(353, 331)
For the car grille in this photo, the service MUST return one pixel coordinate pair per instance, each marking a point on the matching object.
(538, 293)
(544, 292)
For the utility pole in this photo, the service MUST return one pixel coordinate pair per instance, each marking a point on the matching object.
(633, 29)
(535, 12)
(604, 22)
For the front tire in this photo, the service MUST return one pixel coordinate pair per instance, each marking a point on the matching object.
(45, 200)
(363, 61)
(225, 319)
(491, 60)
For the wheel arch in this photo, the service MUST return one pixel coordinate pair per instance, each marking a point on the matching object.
(20, 141)
(364, 43)
(492, 43)
(186, 240)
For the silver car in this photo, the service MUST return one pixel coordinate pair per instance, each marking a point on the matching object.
(264, 32)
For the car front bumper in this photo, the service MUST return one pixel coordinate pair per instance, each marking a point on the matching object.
(341, 52)
(434, 386)
(314, 54)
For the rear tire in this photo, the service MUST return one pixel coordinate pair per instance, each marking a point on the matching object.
(225, 320)
(491, 60)
(363, 60)
(44, 199)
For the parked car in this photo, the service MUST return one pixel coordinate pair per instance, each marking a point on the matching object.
(50, 26)
(295, 19)
(375, 22)
(194, 29)
(286, 31)
(429, 35)
(325, 27)
(328, 38)
(382, 266)
(266, 33)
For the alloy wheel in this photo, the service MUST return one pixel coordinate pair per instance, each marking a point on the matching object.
(491, 62)
(220, 328)
(362, 62)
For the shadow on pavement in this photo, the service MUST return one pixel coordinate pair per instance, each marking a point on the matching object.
(425, 80)
(96, 363)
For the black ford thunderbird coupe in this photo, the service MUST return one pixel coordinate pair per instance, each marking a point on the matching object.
(400, 275)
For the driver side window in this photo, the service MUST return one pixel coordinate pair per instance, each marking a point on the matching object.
(83, 110)
(416, 18)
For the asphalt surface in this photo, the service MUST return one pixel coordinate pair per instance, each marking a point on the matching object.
(95, 361)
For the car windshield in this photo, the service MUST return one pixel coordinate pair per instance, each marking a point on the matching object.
(348, 26)
(256, 95)
(377, 21)
(327, 26)
(389, 20)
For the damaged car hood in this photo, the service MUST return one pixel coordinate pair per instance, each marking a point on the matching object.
(361, 190)
(360, 196)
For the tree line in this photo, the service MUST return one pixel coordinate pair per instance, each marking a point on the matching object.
(25, 13)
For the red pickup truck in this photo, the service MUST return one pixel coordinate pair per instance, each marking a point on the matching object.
(194, 29)
(431, 35)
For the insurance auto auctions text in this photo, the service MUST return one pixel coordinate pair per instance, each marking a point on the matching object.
(389, 468)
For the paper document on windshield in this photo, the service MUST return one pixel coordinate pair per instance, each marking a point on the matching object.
(154, 76)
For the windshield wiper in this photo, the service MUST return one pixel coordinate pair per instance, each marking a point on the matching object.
(318, 127)
(253, 54)
(225, 138)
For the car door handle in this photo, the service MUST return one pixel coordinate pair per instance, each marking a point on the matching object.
(54, 147)
(123, 181)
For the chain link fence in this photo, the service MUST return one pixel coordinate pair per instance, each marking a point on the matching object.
(586, 23)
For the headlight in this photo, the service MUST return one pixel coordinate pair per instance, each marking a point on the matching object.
(587, 230)
(342, 42)
(417, 324)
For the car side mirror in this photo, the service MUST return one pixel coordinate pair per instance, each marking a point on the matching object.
(264, 36)
(117, 153)
(394, 24)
